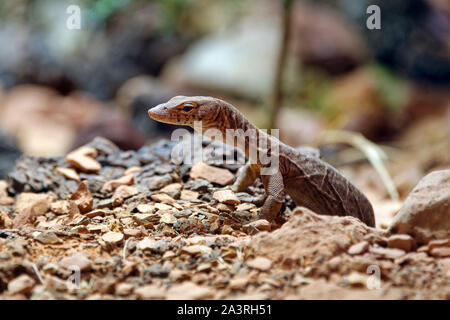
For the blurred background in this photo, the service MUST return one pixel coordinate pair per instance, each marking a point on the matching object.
(302, 66)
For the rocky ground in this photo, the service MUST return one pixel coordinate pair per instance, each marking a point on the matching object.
(102, 223)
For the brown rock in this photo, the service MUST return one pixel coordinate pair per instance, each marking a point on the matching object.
(145, 208)
(189, 195)
(146, 219)
(306, 233)
(97, 228)
(163, 198)
(438, 244)
(358, 248)
(146, 244)
(168, 218)
(260, 263)
(151, 291)
(426, 211)
(238, 283)
(69, 173)
(387, 253)
(132, 232)
(189, 291)
(441, 252)
(122, 193)
(21, 285)
(40, 202)
(78, 259)
(132, 170)
(83, 158)
(245, 206)
(172, 187)
(212, 174)
(226, 196)
(402, 242)
(83, 198)
(64, 207)
(124, 289)
(24, 217)
(113, 237)
(256, 226)
(112, 185)
(95, 213)
(196, 249)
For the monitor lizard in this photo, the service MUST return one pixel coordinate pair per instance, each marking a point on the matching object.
(311, 182)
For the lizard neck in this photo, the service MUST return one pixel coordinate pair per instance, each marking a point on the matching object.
(239, 132)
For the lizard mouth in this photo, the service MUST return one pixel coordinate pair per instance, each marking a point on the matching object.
(159, 113)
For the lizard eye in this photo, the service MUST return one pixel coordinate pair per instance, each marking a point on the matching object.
(187, 107)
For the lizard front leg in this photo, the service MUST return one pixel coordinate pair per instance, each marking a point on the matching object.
(249, 173)
(273, 184)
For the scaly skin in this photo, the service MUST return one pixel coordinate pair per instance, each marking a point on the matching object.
(309, 181)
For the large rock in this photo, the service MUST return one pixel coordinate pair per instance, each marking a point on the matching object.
(308, 239)
(426, 212)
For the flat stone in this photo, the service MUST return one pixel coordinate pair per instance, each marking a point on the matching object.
(83, 158)
(438, 243)
(21, 285)
(97, 228)
(387, 253)
(146, 244)
(440, 252)
(146, 219)
(78, 259)
(245, 206)
(132, 232)
(162, 198)
(48, 238)
(132, 170)
(212, 174)
(238, 283)
(113, 237)
(172, 187)
(168, 218)
(64, 207)
(145, 208)
(163, 206)
(124, 289)
(151, 291)
(358, 248)
(95, 213)
(196, 249)
(402, 242)
(189, 291)
(189, 195)
(122, 193)
(256, 226)
(69, 173)
(112, 185)
(226, 196)
(260, 263)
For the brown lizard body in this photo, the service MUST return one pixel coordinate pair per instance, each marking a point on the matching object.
(309, 181)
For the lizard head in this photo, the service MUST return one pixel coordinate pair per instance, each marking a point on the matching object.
(183, 110)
